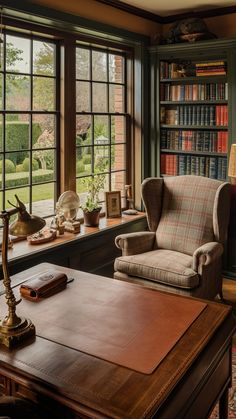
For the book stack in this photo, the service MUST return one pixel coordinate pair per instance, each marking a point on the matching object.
(188, 140)
(213, 167)
(211, 68)
(195, 115)
(194, 92)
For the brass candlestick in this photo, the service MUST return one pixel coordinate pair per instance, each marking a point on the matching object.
(14, 329)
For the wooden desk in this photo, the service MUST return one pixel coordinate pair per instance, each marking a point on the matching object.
(77, 385)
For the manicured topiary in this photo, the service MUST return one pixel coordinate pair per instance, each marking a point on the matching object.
(17, 138)
(26, 164)
(19, 168)
(9, 166)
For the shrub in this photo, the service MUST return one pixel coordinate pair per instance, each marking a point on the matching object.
(17, 138)
(19, 168)
(80, 167)
(87, 159)
(26, 163)
(9, 166)
(38, 177)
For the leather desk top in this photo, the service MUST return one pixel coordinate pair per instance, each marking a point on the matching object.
(128, 325)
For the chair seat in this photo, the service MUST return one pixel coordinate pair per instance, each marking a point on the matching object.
(164, 266)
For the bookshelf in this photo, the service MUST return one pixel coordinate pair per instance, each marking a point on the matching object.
(192, 96)
(194, 117)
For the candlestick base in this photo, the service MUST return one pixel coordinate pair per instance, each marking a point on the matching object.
(12, 336)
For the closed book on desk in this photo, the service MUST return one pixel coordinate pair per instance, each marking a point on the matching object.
(43, 285)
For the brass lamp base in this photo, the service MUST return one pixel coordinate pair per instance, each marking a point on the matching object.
(11, 336)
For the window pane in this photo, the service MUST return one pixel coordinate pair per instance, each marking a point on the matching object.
(116, 68)
(1, 170)
(46, 162)
(82, 96)
(99, 97)
(118, 134)
(17, 168)
(118, 181)
(43, 94)
(116, 98)
(1, 90)
(82, 63)
(83, 161)
(17, 92)
(1, 133)
(83, 130)
(43, 199)
(17, 131)
(17, 54)
(23, 195)
(1, 205)
(43, 131)
(99, 66)
(101, 154)
(44, 58)
(101, 131)
(118, 157)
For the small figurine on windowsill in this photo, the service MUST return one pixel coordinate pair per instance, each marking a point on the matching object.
(130, 201)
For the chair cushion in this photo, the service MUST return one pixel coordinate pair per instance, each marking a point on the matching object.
(164, 266)
(186, 221)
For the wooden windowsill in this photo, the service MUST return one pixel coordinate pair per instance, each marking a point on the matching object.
(23, 249)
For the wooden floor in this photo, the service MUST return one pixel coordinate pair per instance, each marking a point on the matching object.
(229, 291)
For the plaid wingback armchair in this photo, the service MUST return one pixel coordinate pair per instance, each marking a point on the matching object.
(182, 253)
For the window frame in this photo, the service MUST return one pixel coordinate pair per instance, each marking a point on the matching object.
(66, 44)
(109, 114)
(30, 112)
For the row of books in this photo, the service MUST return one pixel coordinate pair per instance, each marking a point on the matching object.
(207, 141)
(205, 91)
(211, 68)
(213, 167)
(196, 115)
(172, 70)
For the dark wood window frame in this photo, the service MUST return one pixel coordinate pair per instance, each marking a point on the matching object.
(30, 113)
(66, 102)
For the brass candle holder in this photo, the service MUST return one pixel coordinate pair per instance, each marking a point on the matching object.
(14, 329)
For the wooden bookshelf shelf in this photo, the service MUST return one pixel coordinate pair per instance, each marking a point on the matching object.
(193, 102)
(196, 79)
(194, 152)
(194, 127)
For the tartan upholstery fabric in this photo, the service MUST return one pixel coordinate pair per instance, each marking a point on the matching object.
(161, 265)
(189, 216)
(186, 220)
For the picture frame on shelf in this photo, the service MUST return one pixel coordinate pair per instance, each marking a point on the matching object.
(113, 204)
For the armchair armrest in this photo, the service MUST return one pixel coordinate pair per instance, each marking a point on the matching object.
(135, 243)
(206, 254)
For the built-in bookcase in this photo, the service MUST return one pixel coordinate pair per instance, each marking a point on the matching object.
(194, 117)
(192, 100)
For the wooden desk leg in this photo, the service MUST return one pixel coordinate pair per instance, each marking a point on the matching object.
(223, 405)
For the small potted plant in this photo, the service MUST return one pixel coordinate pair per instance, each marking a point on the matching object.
(92, 207)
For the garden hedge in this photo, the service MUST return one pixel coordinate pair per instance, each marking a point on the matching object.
(17, 138)
(12, 181)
